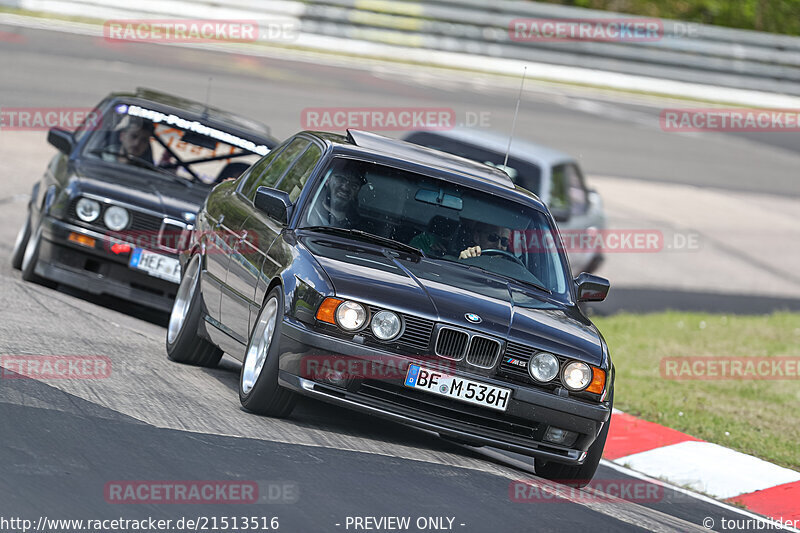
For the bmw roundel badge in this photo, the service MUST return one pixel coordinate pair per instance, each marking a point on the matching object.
(472, 317)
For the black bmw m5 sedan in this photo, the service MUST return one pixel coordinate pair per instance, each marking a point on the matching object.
(403, 282)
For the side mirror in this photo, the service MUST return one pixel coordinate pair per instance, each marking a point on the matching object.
(591, 288)
(560, 214)
(276, 204)
(61, 139)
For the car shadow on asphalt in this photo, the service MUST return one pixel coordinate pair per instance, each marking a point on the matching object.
(315, 414)
(141, 312)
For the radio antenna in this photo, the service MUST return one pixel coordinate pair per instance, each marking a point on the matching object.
(516, 112)
(208, 97)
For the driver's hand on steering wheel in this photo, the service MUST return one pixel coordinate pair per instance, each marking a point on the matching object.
(472, 251)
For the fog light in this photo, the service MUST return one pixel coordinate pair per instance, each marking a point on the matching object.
(560, 436)
(337, 378)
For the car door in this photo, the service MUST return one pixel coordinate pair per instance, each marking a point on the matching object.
(569, 196)
(279, 253)
(216, 235)
(249, 245)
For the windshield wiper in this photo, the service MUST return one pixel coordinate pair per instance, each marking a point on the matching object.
(532, 284)
(143, 163)
(370, 237)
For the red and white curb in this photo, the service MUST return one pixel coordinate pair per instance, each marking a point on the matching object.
(683, 460)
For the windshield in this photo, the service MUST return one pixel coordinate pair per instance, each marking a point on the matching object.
(441, 220)
(522, 173)
(170, 146)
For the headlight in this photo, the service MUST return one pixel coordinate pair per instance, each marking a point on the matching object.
(116, 218)
(543, 367)
(87, 210)
(386, 325)
(351, 316)
(577, 376)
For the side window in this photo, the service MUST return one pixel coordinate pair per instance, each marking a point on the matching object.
(269, 170)
(298, 175)
(559, 189)
(577, 192)
(90, 123)
(251, 176)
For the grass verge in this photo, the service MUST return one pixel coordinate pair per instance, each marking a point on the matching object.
(759, 417)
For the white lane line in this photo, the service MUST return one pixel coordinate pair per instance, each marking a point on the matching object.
(710, 468)
(702, 497)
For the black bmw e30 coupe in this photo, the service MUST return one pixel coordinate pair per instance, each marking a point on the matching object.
(114, 205)
(403, 282)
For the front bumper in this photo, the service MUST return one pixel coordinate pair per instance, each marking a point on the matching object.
(519, 429)
(96, 269)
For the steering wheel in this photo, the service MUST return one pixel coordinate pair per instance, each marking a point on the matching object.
(504, 254)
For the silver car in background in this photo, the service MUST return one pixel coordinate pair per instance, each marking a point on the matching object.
(552, 175)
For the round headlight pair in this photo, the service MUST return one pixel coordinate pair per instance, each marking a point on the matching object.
(116, 218)
(543, 367)
(352, 316)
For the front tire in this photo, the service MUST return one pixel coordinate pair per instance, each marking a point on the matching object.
(21, 243)
(184, 345)
(575, 476)
(259, 391)
(31, 257)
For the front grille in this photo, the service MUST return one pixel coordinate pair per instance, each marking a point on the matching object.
(483, 352)
(144, 222)
(173, 236)
(451, 343)
(417, 332)
(520, 353)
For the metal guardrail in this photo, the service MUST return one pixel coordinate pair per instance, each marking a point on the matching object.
(686, 52)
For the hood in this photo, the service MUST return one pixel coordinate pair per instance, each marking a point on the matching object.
(445, 292)
(139, 187)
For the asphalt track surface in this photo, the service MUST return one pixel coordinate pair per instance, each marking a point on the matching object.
(64, 440)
